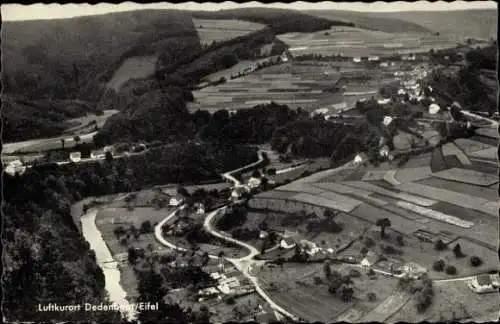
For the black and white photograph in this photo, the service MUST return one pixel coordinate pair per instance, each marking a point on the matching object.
(250, 162)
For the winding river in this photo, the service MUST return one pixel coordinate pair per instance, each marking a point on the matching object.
(91, 233)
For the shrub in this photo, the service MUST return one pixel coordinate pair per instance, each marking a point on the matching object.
(371, 296)
(318, 280)
(346, 293)
(230, 301)
(271, 171)
(476, 261)
(369, 242)
(354, 273)
(451, 270)
(146, 227)
(389, 249)
(400, 241)
(438, 265)
(364, 250)
(439, 245)
(371, 272)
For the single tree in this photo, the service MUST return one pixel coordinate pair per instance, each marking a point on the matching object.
(62, 143)
(457, 250)
(383, 223)
(475, 261)
(451, 270)
(438, 265)
(439, 245)
(371, 296)
(77, 139)
(326, 269)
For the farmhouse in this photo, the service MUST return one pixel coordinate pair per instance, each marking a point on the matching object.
(414, 270)
(384, 101)
(75, 156)
(226, 285)
(176, 201)
(253, 183)
(373, 58)
(485, 283)
(97, 154)
(263, 234)
(356, 59)
(14, 167)
(369, 260)
(287, 243)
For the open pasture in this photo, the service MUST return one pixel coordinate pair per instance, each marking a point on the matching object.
(452, 301)
(490, 194)
(469, 146)
(210, 30)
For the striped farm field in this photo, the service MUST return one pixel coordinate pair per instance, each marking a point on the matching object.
(489, 153)
(453, 150)
(435, 214)
(329, 200)
(467, 176)
(413, 174)
(449, 196)
(490, 194)
(356, 192)
(397, 195)
(469, 146)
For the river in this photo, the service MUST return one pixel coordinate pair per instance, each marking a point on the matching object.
(91, 233)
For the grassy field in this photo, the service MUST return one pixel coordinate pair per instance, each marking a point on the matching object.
(83, 121)
(138, 67)
(467, 176)
(109, 218)
(218, 30)
(451, 301)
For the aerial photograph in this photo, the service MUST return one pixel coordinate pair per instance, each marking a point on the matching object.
(249, 162)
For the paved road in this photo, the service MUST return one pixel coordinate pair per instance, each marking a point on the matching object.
(493, 123)
(229, 175)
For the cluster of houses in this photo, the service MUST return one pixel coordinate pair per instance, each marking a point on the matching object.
(485, 283)
(229, 282)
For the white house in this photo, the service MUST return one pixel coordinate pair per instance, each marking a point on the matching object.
(358, 159)
(75, 156)
(210, 291)
(356, 59)
(215, 275)
(263, 234)
(373, 58)
(254, 183)
(413, 270)
(434, 109)
(176, 201)
(228, 284)
(387, 120)
(384, 151)
(287, 243)
(320, 111)
(200, 210)
(485, 283)
(369, 260)
(401, 92)
(384, 64)
(384, 101)
(14, 167)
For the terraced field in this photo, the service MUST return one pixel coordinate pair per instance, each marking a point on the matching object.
(357, 42)
(218, 30)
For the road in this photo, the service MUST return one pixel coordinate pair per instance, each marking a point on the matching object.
(228, 175)
(493, 123)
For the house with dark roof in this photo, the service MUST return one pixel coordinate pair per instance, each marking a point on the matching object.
(287, 243)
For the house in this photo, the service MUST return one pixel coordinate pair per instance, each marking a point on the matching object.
(387, 120)
(254, 183)
(384, 101)
(384, 151)
(215, 275)
(287, 243)
(263, 234)
(210, 291)
(369, 260)
(384, 64)
(356, 59)
(320, 111)
(14, 167)
(373, 58)
(485, 283)
(401, 92)
(358, 159)
(227, 285)
(176, 201)
(97, 154)
(200, 210)
(413, 270)
(75, 156)
(434, 109)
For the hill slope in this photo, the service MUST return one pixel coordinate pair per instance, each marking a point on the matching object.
(64, 57)
(460, 23)
(369, 21)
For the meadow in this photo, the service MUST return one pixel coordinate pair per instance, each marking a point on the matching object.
(218, 30)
